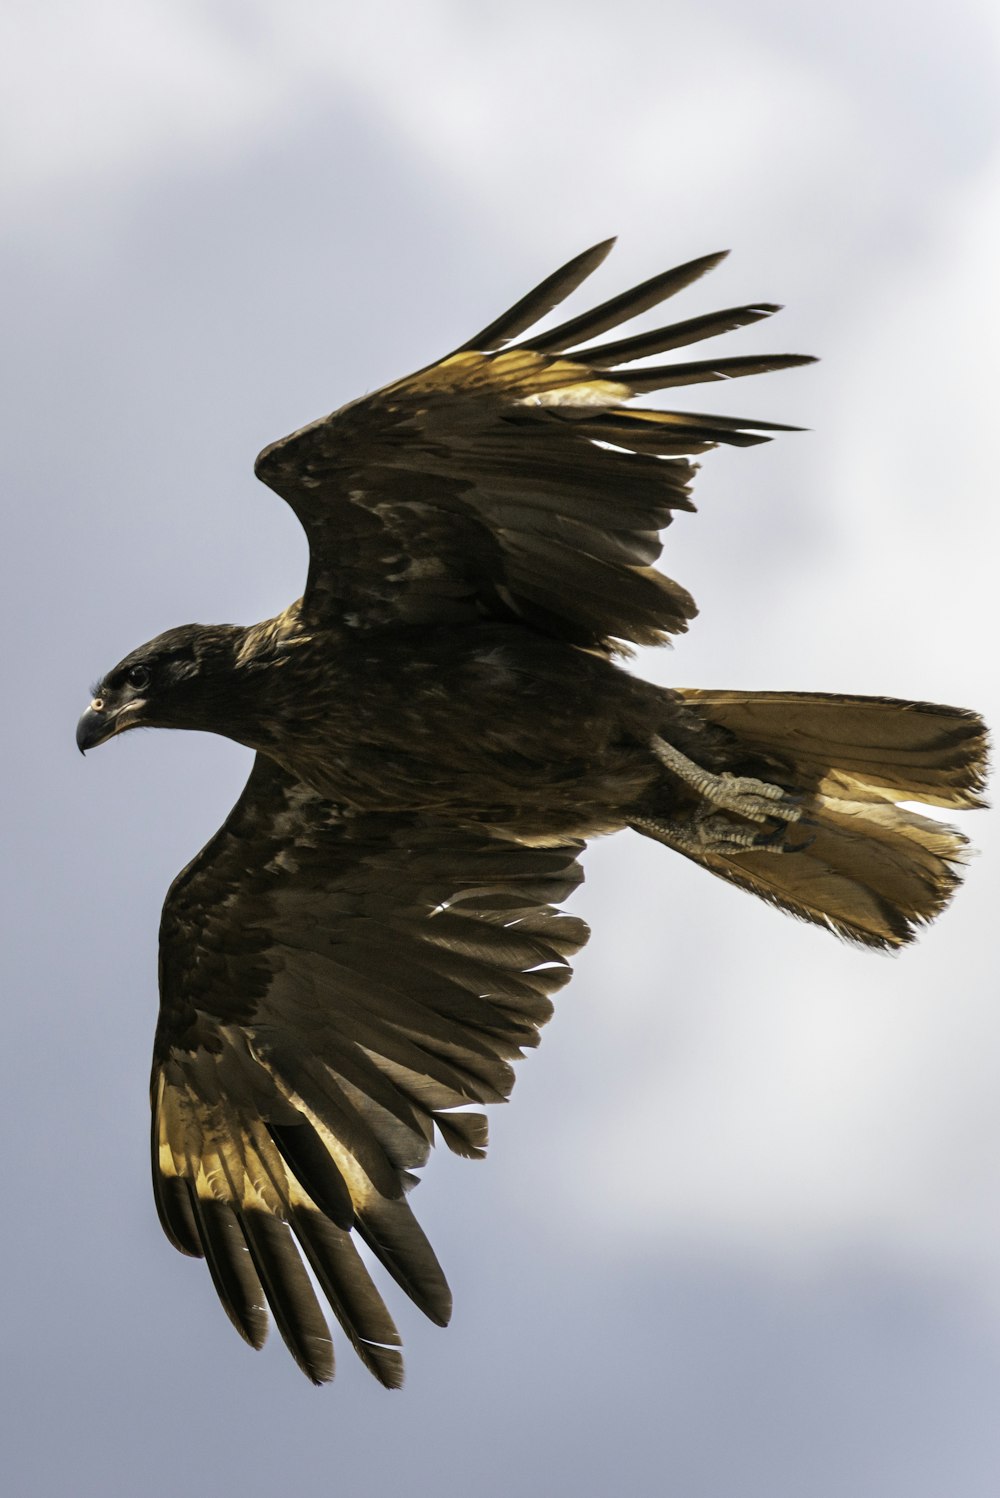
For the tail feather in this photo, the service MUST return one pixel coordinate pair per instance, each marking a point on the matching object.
(872, 871)
(860, 748)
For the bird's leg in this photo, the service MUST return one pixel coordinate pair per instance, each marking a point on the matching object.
(707, 833)
(709, 827)
(756, 800)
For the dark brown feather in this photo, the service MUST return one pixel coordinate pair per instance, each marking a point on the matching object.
(357, 1305)
(702, 371)
(389, 972)
(459, 491)
(233, 1273)
(623, 308)
(397, 1241)
(676, 335)
(289, 1293)
(540, 300)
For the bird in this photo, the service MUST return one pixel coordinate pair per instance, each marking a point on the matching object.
(350, 967)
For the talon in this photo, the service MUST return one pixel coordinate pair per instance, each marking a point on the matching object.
(769, 839)
(774, 841)
(800, 847)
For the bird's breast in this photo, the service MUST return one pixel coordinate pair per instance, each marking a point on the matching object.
(494, 725)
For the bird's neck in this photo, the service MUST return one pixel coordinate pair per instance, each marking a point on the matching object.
(239, 677)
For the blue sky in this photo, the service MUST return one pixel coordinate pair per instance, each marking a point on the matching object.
(740, 1227)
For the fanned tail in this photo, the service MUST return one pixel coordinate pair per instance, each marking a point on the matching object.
(854, 860)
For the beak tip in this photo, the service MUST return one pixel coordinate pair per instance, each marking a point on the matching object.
(91, 730)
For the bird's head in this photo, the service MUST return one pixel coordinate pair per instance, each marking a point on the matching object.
(171, 682)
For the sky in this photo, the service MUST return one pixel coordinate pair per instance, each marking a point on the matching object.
(739, 1231)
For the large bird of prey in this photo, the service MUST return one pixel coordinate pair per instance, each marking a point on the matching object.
(372, 936)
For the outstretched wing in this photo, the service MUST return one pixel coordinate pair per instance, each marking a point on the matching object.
(332, 987)
(514, 481)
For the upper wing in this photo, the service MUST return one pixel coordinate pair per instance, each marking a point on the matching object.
(332, 986)
(515, 482)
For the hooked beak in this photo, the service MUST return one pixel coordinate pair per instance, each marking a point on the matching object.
(98, 725)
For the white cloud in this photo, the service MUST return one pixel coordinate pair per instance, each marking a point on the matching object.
(601, 128)
(95, 92)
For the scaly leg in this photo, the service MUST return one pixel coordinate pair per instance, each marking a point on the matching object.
(705, 833)
(756, 800)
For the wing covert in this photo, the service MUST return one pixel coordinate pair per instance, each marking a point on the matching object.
(333, 987)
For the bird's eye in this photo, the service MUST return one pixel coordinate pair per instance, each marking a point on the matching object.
(138, 677)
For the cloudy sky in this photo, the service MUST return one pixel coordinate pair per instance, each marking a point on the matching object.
(740, 1228)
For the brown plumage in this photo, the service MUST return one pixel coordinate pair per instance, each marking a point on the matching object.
(372, 937)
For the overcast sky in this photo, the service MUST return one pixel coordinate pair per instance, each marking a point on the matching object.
(739, 1232)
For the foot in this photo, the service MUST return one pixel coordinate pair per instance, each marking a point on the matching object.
(712, 834)
(756, 800)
